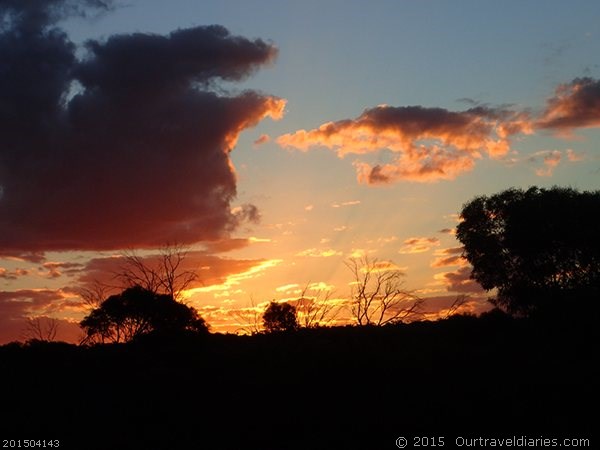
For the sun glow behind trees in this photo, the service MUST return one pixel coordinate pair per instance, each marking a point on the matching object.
(278, 143)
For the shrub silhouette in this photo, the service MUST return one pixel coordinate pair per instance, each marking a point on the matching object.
(536, 247)
(138, 311)
(280, 317)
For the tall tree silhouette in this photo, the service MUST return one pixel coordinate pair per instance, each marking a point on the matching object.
(536, 247)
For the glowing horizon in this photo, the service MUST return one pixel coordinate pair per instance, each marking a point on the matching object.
(277, 143)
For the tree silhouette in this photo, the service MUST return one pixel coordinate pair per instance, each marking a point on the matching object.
(280, 317)
(378, 297)
(137, 311)
(536, 247)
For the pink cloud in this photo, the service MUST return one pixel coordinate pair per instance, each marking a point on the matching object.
(550, 159)
(262, 139)
(574, 156)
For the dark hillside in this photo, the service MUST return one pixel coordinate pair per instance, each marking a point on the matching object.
(343, 387)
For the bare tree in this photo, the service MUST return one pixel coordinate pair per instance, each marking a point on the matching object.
(162, 274)
(456, 305)
(95, 293)
(250, 319)
(378, 297)
(316, 310)
(41, 329)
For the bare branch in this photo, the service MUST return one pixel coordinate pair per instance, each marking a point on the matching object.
(41, 329)
(162, 274)
(378, 297)
(250, 318)
(95, 293)
(316, 310)
(457, 304)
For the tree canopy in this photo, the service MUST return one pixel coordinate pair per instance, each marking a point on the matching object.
(280, 317)
(137, 311)
(537, 247)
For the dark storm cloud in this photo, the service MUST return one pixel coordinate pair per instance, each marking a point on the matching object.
(145, 62)
(126, 148)
(31, 15)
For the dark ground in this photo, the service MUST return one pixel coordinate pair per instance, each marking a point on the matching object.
(337, 388)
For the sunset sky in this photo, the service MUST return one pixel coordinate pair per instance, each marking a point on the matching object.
(277, 140)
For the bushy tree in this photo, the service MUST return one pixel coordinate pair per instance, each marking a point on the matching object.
(536, 247)
(137, 311)
(280, 317)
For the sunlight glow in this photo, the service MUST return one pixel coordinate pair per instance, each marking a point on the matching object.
(234, 279)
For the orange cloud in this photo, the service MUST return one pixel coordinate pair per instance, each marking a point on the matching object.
(57, 269)
(228, 279)
(548, 160)
(316, 253)
(429, 144)
(448, 261)
(419, 244)
(449, 257)
(348, 203)
(573, 156)
(287, 287)
(551, 159)
(383, 266)
(451, 231)
(574, 105)
(12, 274)
(226, 245)
(212, 270)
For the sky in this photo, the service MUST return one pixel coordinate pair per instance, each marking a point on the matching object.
(277, 140)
